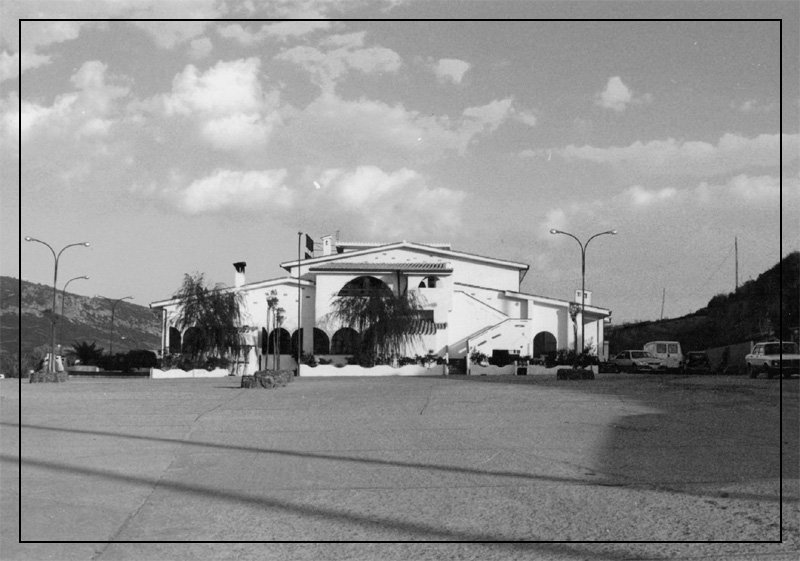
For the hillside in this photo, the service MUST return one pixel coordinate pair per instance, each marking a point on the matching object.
(768, 306)
(25, 319)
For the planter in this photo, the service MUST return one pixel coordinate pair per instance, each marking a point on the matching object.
(157, 373)
(43, 376)
(268, 379)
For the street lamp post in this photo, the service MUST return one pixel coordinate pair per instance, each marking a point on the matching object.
(63, 297)
(113, 306)
(583, 272)
(51, 367)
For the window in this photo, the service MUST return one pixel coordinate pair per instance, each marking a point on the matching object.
(661, 348)
(672, 348)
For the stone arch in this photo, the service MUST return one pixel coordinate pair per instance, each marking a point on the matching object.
(365, 285)
(345, 341)
(544, 343)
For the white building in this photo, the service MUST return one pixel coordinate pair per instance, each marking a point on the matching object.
(471, 303)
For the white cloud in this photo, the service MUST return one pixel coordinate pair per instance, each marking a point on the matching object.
(526, 116)
(753, 106)
(228, 190)
(226, 88)
(450, 70)
(280, 30)
(87, 112)
(373, 203)
(373, 126)
(227, 102)
(10, 63)
(386, 205)
(731, 153)
(169, 34)
(640, 197)
(328, 66)
(38, 34)
(617, 96)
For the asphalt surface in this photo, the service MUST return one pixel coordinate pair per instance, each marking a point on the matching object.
(623, 467)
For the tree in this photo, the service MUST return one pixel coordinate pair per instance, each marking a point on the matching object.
(215, 314)
(387, 322)
(85, 352)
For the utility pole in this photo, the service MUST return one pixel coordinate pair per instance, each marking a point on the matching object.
(663, 297)
(736, 248)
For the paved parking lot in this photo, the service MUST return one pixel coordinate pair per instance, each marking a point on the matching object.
(127, 466)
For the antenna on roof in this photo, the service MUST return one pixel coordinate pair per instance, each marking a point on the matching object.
(337, 235)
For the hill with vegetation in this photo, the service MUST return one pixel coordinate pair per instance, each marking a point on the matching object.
(25, 319)
(766, 307)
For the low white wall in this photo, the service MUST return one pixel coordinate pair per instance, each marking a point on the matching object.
(197, 373)
(492, 370)
(532, 370)
(380, 370)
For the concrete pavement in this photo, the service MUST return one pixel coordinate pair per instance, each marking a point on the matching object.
(125, 465)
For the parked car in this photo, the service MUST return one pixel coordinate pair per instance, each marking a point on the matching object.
(696, 362)
(669, 351)
(637, 361)
(777, 357)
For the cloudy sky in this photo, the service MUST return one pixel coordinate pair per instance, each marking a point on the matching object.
(182, 146)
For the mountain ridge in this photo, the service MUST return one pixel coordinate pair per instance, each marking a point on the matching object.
(25, 309)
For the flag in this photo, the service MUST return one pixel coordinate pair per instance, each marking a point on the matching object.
(309, 247)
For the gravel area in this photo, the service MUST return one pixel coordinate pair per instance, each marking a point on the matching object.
(627, 466)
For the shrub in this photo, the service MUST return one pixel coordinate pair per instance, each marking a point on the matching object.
(478, 357)
(12, 365)
(308, 359)
(141, 359)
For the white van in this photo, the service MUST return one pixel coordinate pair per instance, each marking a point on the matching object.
(670, 351)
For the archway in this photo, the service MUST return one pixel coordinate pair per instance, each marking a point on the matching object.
(544, 343)
(322, 345)
(365, 286)
(174, 345)
(284, 340)
(345, 341)
(193, 341)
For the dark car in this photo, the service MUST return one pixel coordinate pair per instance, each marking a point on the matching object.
(696, 362)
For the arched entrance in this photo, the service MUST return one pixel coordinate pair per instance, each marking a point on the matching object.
(544, 343)
(365, 286)
(345, 342)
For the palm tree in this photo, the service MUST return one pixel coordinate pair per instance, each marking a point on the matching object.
(216, 315)
(86, 353)
(386, 321)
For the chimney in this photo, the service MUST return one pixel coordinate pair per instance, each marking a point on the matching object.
(588, 300)
(327, 245)
(238, 279)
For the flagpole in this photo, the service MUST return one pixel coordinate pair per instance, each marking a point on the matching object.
(299, 303)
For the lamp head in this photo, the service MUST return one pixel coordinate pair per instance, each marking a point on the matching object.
(554, 231)
(28, 238)
(613, 232)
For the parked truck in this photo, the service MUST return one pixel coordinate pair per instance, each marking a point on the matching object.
(669, 351)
